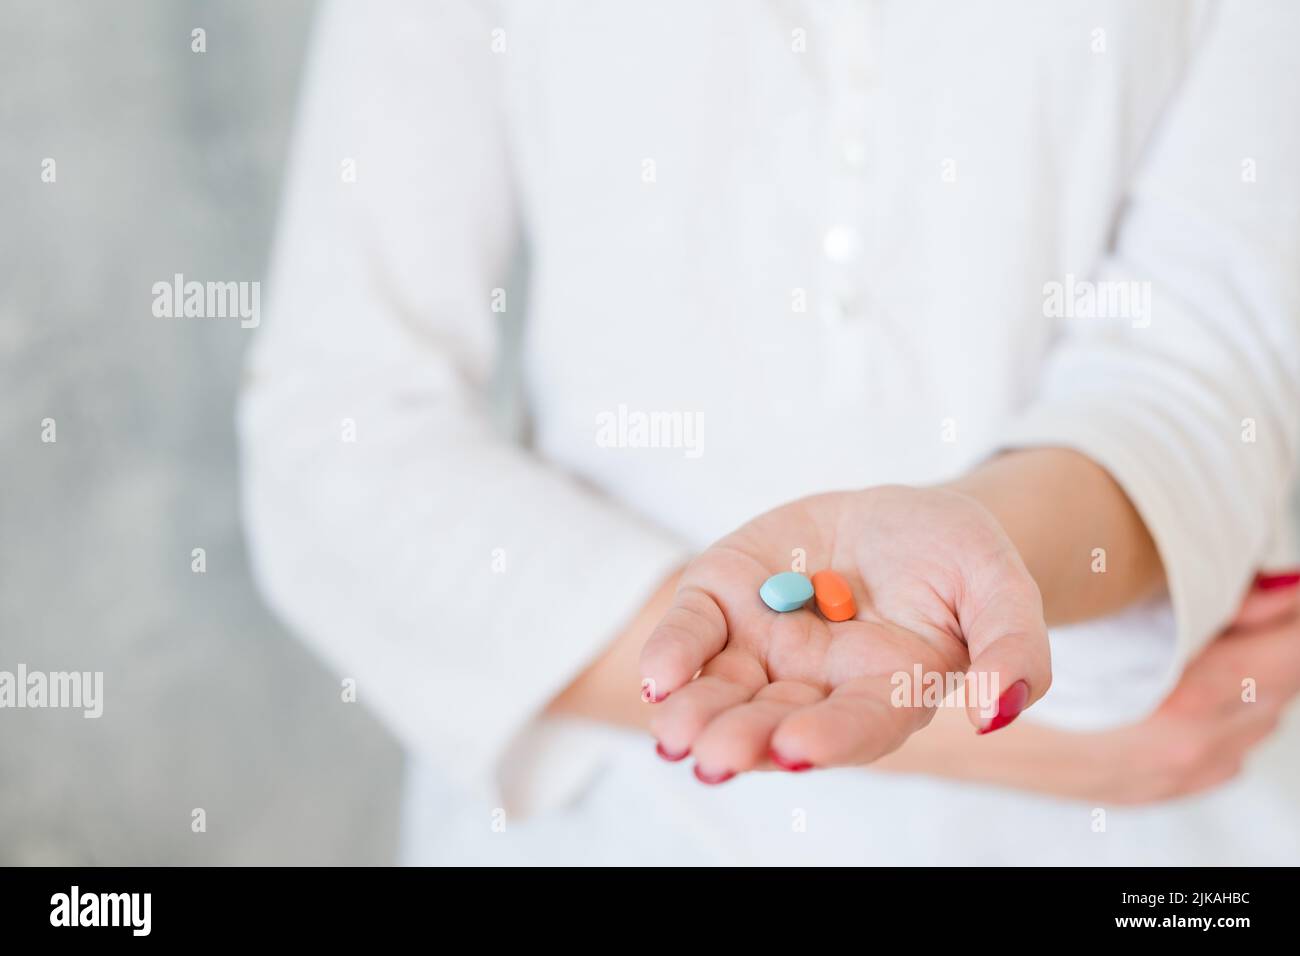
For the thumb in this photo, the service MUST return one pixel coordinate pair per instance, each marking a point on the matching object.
(1010, 658)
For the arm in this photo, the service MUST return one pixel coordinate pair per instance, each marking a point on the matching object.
(390, 526)
(1193, 416)
(1057, 506)
(1192, 413)
(1197, 738)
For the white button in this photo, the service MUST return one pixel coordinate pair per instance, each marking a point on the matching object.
(854, 153)
(841, 308)
(841, 243)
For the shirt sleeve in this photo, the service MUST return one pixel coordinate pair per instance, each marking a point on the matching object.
(459, 580)
(1194, 407)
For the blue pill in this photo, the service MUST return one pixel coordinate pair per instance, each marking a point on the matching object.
(787, 591)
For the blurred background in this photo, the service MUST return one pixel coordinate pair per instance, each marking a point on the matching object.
(166, 161)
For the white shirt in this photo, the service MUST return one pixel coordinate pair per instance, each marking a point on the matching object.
(848, 243)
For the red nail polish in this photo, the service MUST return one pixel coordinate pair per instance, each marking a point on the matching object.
(1275, 582)
(671, 757)
(1010, 704)
(794, 766)
(712, 779)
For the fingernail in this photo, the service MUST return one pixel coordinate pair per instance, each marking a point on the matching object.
(648, 693)
(712, 779)
(1010, 705)
(659, 749)
(794, 766)
(1274, 582)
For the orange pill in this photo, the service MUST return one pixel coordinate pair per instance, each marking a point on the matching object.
(834, 596)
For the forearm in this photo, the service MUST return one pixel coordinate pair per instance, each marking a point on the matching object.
(1076, 530)
(1024, 755)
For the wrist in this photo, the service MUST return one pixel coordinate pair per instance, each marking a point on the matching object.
(1078, 533)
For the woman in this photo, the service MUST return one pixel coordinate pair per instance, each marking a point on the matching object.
(1022, 279)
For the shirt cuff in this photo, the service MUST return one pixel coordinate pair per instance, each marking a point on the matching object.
(1205, 576)
(533, 763)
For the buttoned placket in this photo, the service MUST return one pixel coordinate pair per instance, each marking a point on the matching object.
(848, 74)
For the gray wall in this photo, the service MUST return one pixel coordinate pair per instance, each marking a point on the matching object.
(167, 161)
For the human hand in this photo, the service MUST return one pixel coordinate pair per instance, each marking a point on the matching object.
(1200, 735)
(1197, 738)
(936, 582)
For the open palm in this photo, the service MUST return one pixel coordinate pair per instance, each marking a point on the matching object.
(936, 582)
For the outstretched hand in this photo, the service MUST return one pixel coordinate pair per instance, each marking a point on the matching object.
(936, 582)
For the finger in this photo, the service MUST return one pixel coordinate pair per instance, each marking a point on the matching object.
(1248, 734)
(854, 725)
(692, 632)
(1250, 665)
(731, 678)
(1011, 660)
(1270, 598)
(1216, 775)
(740, 738)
